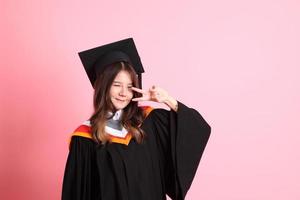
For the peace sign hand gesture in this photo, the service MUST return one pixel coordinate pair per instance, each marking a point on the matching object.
(156, 94)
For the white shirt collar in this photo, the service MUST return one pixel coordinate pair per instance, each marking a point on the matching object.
(117, 115)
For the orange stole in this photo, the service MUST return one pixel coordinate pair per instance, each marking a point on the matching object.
(85, 131)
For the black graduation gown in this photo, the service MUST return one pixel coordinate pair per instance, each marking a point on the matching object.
(165, 163)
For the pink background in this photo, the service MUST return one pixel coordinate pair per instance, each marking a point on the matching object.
(237, 62)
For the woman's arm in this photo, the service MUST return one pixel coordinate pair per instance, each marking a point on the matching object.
(172, 103)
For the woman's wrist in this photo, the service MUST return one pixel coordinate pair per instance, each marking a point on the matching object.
(172, 103)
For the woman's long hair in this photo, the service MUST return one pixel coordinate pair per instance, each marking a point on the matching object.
(132, 115)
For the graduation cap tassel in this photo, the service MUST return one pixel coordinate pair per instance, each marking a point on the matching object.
(140, 80)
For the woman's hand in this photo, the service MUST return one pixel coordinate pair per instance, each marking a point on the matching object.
(156, 94)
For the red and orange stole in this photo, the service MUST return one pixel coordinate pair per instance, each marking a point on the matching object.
(84, 130)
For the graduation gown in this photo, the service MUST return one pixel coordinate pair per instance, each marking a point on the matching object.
(164, 163)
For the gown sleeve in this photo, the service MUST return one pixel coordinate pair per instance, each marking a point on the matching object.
(182, 137)
(80, 177)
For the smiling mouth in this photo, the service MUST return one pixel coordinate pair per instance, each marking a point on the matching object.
(120, 100)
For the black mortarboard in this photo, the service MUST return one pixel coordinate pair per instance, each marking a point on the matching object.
(96, 59)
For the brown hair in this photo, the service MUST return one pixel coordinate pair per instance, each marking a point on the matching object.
(132, 116)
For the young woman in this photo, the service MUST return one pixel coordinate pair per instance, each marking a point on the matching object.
(127, 152)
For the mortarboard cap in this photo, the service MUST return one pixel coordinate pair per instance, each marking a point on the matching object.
(96, 59)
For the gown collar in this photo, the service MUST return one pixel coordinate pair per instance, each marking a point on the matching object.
(114, 126)
(117, 116)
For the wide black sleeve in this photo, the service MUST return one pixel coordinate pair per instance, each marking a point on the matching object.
(81, 175)
(182, 137)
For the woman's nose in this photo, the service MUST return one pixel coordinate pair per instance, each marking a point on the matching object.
(123, 91)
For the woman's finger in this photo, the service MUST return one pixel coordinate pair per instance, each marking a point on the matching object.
(153, 88)
(138, 99)
(138, 90)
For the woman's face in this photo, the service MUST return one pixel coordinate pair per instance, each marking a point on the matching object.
(120, 91)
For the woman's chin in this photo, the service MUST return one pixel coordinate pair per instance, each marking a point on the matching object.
(120, 106)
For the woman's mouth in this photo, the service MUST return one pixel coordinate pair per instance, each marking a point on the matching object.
(121, 100)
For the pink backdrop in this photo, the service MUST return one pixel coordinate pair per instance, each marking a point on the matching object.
(237, 62)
